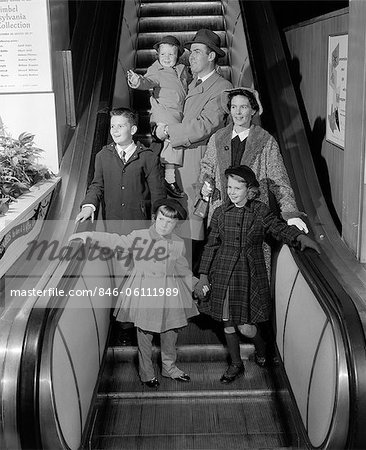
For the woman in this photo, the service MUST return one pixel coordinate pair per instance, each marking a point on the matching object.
(242, 142)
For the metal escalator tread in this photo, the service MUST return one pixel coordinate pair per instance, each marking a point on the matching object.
(147, 39)
(251, 412)
(179, 8)
(202, 414)
(169, 24)
(182, 19)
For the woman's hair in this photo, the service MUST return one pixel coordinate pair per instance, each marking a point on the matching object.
(253, 191)
(167, 211)
(244, 93)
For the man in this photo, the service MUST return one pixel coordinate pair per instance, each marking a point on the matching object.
(202, 116)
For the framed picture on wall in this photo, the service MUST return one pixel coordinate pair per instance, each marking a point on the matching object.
(336, 88)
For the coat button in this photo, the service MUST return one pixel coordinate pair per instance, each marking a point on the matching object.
(122, 204)
(123, 171)
(237, 238)
(122, 187)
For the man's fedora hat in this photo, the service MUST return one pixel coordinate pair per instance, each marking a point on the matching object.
(171, 40)
(209, 38)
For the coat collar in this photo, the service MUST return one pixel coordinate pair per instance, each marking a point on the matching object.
(178, 68)
(193, 89)
(247, 219)
(139, 149)
(256, 140)
(156, 236)
(229, 205)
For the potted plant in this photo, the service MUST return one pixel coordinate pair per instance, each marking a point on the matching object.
(19, 168)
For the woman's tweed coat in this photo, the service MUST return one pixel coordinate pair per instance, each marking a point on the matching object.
(262, 155)
(233, 259)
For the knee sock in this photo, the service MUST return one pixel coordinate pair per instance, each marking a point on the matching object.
(259, 344)
(232, 341)
(268, 335)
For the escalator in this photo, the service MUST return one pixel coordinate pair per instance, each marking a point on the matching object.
(63, 387)
(198, 414)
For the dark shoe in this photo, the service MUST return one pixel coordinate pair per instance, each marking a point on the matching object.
(173, 189)
(232, 372)
(126, 337)
(261, 361)
(153, 383)
(184, 377)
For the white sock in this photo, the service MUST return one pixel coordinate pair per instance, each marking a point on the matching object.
(170, 173)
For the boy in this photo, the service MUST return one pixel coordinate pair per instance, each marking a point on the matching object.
(169, 82)
(155, 304)
(128, 180)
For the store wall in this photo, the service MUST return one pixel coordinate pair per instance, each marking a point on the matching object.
(308, 51)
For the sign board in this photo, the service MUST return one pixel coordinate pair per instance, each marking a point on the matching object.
(25, 64)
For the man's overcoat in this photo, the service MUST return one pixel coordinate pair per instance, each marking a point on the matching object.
(202, 116)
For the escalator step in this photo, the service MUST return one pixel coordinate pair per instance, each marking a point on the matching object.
(224, 70)
(185, 353)
(179, 8)
(189, 423)
(147, 40)
(141, 100)
(184, 23)
(120, 378)
(178, 1)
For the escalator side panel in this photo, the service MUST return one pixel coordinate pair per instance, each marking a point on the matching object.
(72, 354)
(313, 354)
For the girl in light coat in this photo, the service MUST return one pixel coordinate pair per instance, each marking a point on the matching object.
(157, 295)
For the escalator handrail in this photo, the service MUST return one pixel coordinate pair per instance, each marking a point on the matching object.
(28, 418)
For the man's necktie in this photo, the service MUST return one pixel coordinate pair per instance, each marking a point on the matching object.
(198, 82)
(123, 156)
